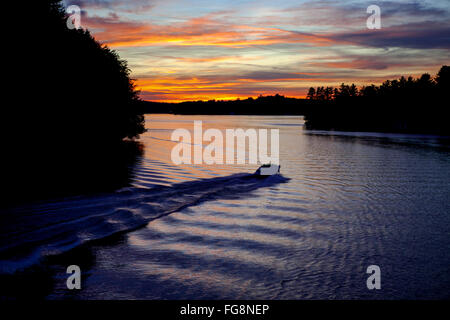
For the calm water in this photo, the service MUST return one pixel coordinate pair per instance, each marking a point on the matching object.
(344, 201)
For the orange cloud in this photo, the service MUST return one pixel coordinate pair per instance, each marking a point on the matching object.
(173, 89)
(216, 66)
(174, 85)
(202, 31)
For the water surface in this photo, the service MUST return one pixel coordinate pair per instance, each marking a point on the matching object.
(344, 201)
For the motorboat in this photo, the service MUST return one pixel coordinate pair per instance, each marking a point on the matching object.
(268, 170)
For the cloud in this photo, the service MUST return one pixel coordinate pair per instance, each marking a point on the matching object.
(128, 6)
(203, 31)
(181, 50)
(428, 35)
(199, 31)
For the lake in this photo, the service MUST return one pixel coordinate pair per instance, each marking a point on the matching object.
(343, 202)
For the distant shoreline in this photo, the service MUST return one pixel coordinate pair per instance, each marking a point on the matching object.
(263, 105)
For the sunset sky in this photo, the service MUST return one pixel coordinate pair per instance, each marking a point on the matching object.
(182, 50)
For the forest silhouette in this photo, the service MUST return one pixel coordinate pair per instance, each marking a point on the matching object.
(408, 105)
(72, 104)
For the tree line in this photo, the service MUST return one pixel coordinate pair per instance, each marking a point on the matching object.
(262, 105)
(425, 85)
(408, 105)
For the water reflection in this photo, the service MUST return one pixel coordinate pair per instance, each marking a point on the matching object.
(52, 174)
(344, 202)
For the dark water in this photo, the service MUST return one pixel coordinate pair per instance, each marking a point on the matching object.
(344, 201)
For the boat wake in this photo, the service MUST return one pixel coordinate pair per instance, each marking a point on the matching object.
(30, 233)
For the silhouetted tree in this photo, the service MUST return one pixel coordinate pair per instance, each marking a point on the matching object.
(328, 93)
(443, 78)
(71, 100)
(311, 94)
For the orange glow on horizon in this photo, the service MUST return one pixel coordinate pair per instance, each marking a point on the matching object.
(173, 90)
(190, 98)
(196, 89)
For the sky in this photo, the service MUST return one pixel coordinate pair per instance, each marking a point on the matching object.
(180, 50)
